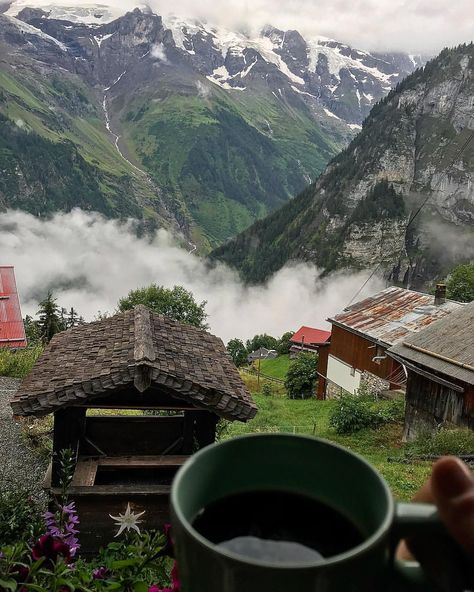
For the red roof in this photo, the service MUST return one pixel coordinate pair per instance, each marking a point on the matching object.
(12, 330)
(311, 336)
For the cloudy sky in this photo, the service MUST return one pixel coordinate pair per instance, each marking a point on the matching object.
(406, 25)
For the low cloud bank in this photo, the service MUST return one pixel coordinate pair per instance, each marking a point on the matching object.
(90, 262)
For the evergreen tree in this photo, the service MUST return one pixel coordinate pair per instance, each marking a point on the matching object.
(73, 319)
(50, 321)
(32, 330)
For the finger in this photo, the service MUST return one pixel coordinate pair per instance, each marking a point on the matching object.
(452, 487)
(424, 496)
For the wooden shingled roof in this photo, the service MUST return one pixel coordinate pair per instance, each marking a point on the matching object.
(140, 349)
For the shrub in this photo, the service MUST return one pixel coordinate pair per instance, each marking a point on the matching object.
(301, 377)
(356, 412)
(353, 413)
(18, 363)
(267, 389)
(20, 517)
(458, 442)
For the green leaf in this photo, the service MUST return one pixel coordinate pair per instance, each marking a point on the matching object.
(140, 587)
(9, 584)
(124, 563)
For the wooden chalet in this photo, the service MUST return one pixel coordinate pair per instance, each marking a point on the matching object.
(12, 330)
(440, 366)
(136, 360)
(363, 332)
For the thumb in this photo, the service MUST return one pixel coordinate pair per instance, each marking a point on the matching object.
(452, 487)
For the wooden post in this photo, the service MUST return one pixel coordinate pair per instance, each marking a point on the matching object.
(258, 370)
(205, 428)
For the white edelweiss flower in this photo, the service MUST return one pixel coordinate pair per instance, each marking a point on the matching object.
(127, 521)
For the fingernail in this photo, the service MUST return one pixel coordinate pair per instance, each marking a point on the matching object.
(452, 477)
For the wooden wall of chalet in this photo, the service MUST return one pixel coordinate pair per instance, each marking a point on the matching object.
(429, 404)
(359, 352)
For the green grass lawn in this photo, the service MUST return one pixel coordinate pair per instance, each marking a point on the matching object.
(311, 417)
(277, 367)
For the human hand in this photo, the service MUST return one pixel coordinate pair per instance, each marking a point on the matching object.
(451, 489)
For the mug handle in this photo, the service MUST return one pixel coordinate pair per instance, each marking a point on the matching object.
(442, 558)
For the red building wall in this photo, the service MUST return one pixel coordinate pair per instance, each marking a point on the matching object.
(12, 330)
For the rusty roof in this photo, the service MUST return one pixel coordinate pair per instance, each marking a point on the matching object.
(393, 314)
(135, 349)
(12, 330)
(448, 346)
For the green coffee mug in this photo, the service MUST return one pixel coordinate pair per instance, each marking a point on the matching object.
(306, 466)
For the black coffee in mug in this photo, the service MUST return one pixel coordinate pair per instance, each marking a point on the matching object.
(277, 527)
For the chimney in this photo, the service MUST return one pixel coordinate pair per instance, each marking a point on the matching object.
(440, 294)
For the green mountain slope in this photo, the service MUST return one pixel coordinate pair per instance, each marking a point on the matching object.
(227, 162)
(416, 150)
(56, 154)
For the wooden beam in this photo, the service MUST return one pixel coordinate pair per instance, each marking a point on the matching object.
(85, 473)
(129, 462)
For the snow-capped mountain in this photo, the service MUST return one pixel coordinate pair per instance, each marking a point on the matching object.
(227, 125)
(335, 80)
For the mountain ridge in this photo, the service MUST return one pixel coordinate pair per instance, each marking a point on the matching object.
(400, 198)
(216, 128)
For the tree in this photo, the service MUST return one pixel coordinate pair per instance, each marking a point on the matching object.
(32, 330)
(301, 377)
(73, 319)
(460, 283)
(49, 318)
(176, 303)
(284, 343)
(259, 341)
(237, 351)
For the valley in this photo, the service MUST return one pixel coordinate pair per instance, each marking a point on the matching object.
(211, 129)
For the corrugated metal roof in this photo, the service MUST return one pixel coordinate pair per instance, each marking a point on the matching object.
(393, 314)
(451, 338)
(12, 330)
(310, 336)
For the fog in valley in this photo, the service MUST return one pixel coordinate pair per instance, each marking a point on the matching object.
(90, 262)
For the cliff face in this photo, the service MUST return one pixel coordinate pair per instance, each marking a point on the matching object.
(416, 150)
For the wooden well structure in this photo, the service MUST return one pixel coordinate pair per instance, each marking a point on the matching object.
(180, 376)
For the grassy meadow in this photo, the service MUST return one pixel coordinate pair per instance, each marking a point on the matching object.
(277, 413)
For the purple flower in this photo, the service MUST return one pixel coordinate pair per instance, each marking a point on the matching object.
(68, 520)
(100, 573)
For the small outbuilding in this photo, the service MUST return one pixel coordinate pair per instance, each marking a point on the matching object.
(440, 365)
(177, 379)
(262, 353)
